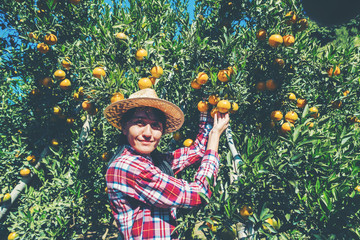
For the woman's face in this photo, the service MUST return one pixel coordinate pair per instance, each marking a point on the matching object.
(144, 131)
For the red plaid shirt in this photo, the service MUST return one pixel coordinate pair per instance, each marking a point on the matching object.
(143, 199)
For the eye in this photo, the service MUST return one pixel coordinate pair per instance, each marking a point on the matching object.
(140, 122)
(157, 126)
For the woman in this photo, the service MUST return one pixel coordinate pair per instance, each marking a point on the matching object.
(143, 191)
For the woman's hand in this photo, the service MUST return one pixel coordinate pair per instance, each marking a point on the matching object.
(221, 122)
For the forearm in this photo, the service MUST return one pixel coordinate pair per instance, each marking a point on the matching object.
(213, 141)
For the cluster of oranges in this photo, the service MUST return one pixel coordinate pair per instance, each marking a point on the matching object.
(291, 116)
(147, 82)
(49, 39)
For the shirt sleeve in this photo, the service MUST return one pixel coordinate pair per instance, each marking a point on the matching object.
(186, 156)
(138, 178)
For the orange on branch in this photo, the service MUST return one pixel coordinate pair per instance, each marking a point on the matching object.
(202, 78)
(286, 127)
(260, 86)
(224, 75)
(301, 102)
(43, 48)
(66, 64)
(292, 97)
(214, 111)
(47, 82)
(261, 35)
(291, 116)
(275, 40)
(99, 72)
(246, 211)
(289, 40)
(271, 85)
(116, 97)
(276, 115)
(141, 54)
(195, 85)
(332, 72)
(57, 110)
(121, 36)
(291, 18)
(87, 105)
(280, 63)
(234, 107)
(59, 74)
(65, 84)
(203, 106)
(303, 24)
(31, 159)
(156, 71)
(144, 83)
(214, 99)
(223, 106)
(50, 39)
(25, 172)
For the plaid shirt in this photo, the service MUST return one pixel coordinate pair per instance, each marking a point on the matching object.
(143, 199)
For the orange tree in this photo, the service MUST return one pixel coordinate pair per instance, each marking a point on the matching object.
(299, 170)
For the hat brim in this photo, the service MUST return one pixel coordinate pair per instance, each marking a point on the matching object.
(174, 116)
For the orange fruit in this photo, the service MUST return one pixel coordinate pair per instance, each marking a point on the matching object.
(76, 96)
(224, 75)
(65, 84)
(177, 136)
(35, 92)
(289, 40)
(246, 211)
(54, 142)
(303, 23)
(47, 82)
(291, 116)
(301, 102)
(314, 112)
(7, 197)
(231, 70)
(157, 71)
(140, 54)
(203, 106)
(57, 110)
(275, 40)
(121, 36)
(260, 86)
(25, 172)
(99, 72)
(223, 106)
(276, 115)
(357, 188)
(214, 99)
(346, 92)
(105, 156)
(292, 97)
(290, 18)
(213, 112)
(188, 142)
(31, 159)
(286, 127)
(33, 35)
(144, 83)
(261, 35)
(336, 104)
(66, 64)
(310, 124)
(202, 78)
(59, 74)
(234, 107)
(13, 236)
(331, 71)
(43, 48)
(70, 120)
(270, 85)
(195, 85)
(75, 2)
(50, 39)
(116, 97)
(86, 105)
(280, 63)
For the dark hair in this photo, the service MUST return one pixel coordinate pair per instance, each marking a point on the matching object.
(130, 113)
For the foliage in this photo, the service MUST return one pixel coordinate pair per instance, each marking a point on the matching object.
(304, 180)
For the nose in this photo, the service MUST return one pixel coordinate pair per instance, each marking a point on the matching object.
(147, 131)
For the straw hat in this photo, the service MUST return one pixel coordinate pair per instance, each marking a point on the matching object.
(145, 98)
